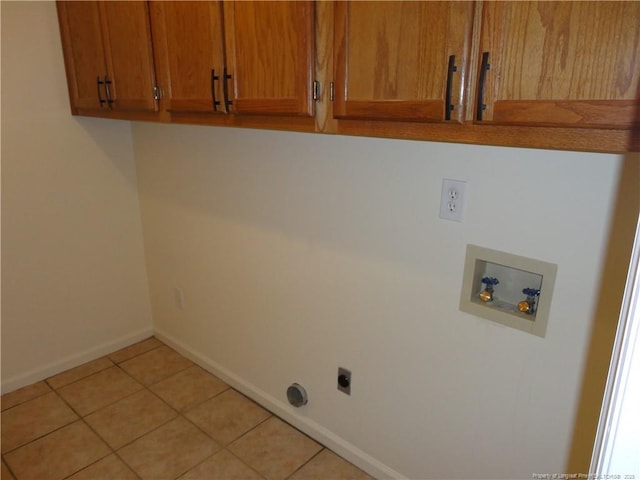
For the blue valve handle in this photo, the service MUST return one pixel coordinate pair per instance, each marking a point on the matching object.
(531, 292)
(490, 281)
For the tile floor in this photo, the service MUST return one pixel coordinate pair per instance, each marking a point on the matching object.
(146, 412)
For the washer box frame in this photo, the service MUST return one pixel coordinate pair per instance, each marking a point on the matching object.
(501, 312)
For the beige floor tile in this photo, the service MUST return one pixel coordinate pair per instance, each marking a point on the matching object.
(155, 365)
(109, 468)
(43, 438)
(189, 387)
(130, 418)
(223, 466)
(58, 454)
(99, 390)
(32, 419)
(24, 394)
(329, 465)
(227, 416)
(275, 449)
(169, 451)
(5, 474)
(135, 350)
(77, 373)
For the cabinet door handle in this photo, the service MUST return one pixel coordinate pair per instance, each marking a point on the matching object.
(448, 106)
(316, 90)
(100, 99)
(481, 106)
(225, 89)
(214, 77)
(107, 90)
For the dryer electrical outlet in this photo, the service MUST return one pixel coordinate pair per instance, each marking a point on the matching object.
(344, 380)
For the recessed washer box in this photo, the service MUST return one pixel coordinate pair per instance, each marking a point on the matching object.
(515, 273)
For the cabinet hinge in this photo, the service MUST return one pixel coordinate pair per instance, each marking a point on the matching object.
(332, 88)
(316, 90)
(157, 93)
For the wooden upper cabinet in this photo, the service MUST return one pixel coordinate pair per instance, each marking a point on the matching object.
(84, 55)
(467, 71)
(401, 60)
(245, 57)
(108, 56)
(127, 29)
(574, 64)
(270, 47)
(191, 36)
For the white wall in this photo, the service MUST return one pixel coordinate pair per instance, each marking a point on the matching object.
(73, 277)
(300, 253)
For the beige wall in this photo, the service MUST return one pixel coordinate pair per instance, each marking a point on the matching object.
(73, 279)
(300, 253)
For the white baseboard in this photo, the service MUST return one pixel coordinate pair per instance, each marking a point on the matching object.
(316, 431)
(37, 374)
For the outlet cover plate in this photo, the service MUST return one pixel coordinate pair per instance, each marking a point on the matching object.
(452, 199)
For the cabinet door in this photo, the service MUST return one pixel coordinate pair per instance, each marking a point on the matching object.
(193, 44)
(84, 56)
(560, 63)
(127, 33)
(392, 59)
(270, 56)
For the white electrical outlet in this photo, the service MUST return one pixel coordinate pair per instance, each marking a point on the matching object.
(452, 199)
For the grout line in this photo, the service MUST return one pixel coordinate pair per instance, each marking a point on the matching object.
(305, 463)
(196, 405)
(191, 364)
(100, 408)
(157, 427)
(127, 465)
(92, 463)
(222, 445)
(243, 462)
(271, 415)
(162, 400)
(29, 399)
(199, 463)
(79, 418)
(6, 465)
(81, 378)
(136, 355)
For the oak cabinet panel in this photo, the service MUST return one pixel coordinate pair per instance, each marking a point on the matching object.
(401, 60)
(549, 74)
(192, 34)
(85, 60)
(246, 57)
(560, 63)
(108, 56)
(271, 56)
(130, 54)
